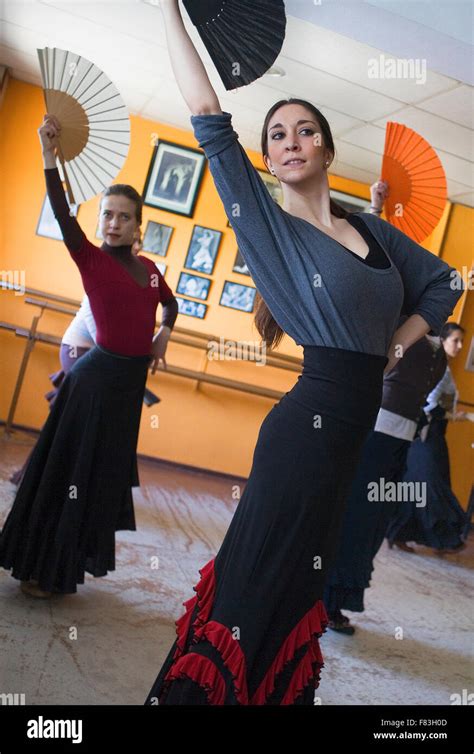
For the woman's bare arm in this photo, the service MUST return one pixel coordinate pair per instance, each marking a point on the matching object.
(188, 68)
(414, 328)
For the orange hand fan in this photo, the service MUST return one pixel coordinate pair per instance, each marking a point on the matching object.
(416, 180)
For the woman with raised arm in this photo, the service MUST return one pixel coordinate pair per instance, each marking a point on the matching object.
(76, 490)
(336, 284)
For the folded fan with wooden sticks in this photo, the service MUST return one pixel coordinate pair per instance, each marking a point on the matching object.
(95, 127)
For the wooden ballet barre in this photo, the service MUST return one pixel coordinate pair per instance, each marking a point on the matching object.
(243, 387)
(23, 332)
(33, 335)
(49, 306)
(273, 359)
(41, 294)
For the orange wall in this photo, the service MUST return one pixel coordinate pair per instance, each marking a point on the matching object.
(205, 426)
(458, 250)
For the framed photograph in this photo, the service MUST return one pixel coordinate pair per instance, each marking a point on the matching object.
(349, 202)
(47, 223)
(202, 251)
(191, 308)
(237, 296)
(194, 286)
(174, 178)
(161, 267)
(239, 265)
(273, 185)
(157, 238)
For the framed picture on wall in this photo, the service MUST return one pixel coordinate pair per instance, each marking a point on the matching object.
(157, 238)
(349, 202)
(47, 224)
(273, 185)
(239, 265)
(161, 267)
(174, 178)
(191, 308)
(203, 248)
(237, 296)
(194, 286)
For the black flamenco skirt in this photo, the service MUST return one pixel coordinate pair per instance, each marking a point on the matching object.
(75, 493)
(250, 634)
(365, 523)
(440, 523)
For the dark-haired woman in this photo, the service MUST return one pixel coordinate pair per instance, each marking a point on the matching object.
(75, 493)
(336, 285)
(439, 523)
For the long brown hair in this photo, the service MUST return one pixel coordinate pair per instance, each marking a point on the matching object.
(266, 325)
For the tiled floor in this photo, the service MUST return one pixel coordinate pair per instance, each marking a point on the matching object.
(105, 644)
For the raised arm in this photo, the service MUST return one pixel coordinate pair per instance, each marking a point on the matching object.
(188, 68)
(72, 233)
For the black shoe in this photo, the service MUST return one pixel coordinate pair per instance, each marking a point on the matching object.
(340, 623)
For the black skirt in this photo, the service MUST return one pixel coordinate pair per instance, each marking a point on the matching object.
(365, 523)
(441, 522)
(250, 635)
(75, 493)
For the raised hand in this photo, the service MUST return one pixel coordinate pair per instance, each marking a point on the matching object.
(49, 132)
(378, 193)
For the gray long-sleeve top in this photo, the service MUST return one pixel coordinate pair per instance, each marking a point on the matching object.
(318, 292)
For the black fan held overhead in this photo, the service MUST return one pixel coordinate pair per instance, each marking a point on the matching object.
(243, 37)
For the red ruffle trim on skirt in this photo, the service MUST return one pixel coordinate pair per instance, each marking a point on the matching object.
(201, 670)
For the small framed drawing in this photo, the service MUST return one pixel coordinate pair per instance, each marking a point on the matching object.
(157, 238)
(237, 296)
(174, 178)
(48, 225)
(191, 308)
(349, 202)
(273, 185)
(194, 286)
(161, 267)
(202, 251)
(239, 265)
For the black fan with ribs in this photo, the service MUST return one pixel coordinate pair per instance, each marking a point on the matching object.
(243, 37)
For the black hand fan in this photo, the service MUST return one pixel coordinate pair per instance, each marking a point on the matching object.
(243, 37)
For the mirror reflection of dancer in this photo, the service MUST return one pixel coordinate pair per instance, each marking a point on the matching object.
(336, 285)
(440, 523)
(75, 493)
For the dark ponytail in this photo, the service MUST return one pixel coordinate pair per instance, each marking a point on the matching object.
(266, 325)
(448, 329)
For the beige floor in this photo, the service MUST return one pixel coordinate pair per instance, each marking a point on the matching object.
(105, 644)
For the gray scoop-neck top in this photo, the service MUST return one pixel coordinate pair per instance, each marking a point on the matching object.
(318, 292)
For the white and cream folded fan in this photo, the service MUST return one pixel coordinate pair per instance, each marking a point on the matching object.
(95, 127)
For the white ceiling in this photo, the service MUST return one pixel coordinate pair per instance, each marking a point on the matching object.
(324, 61)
